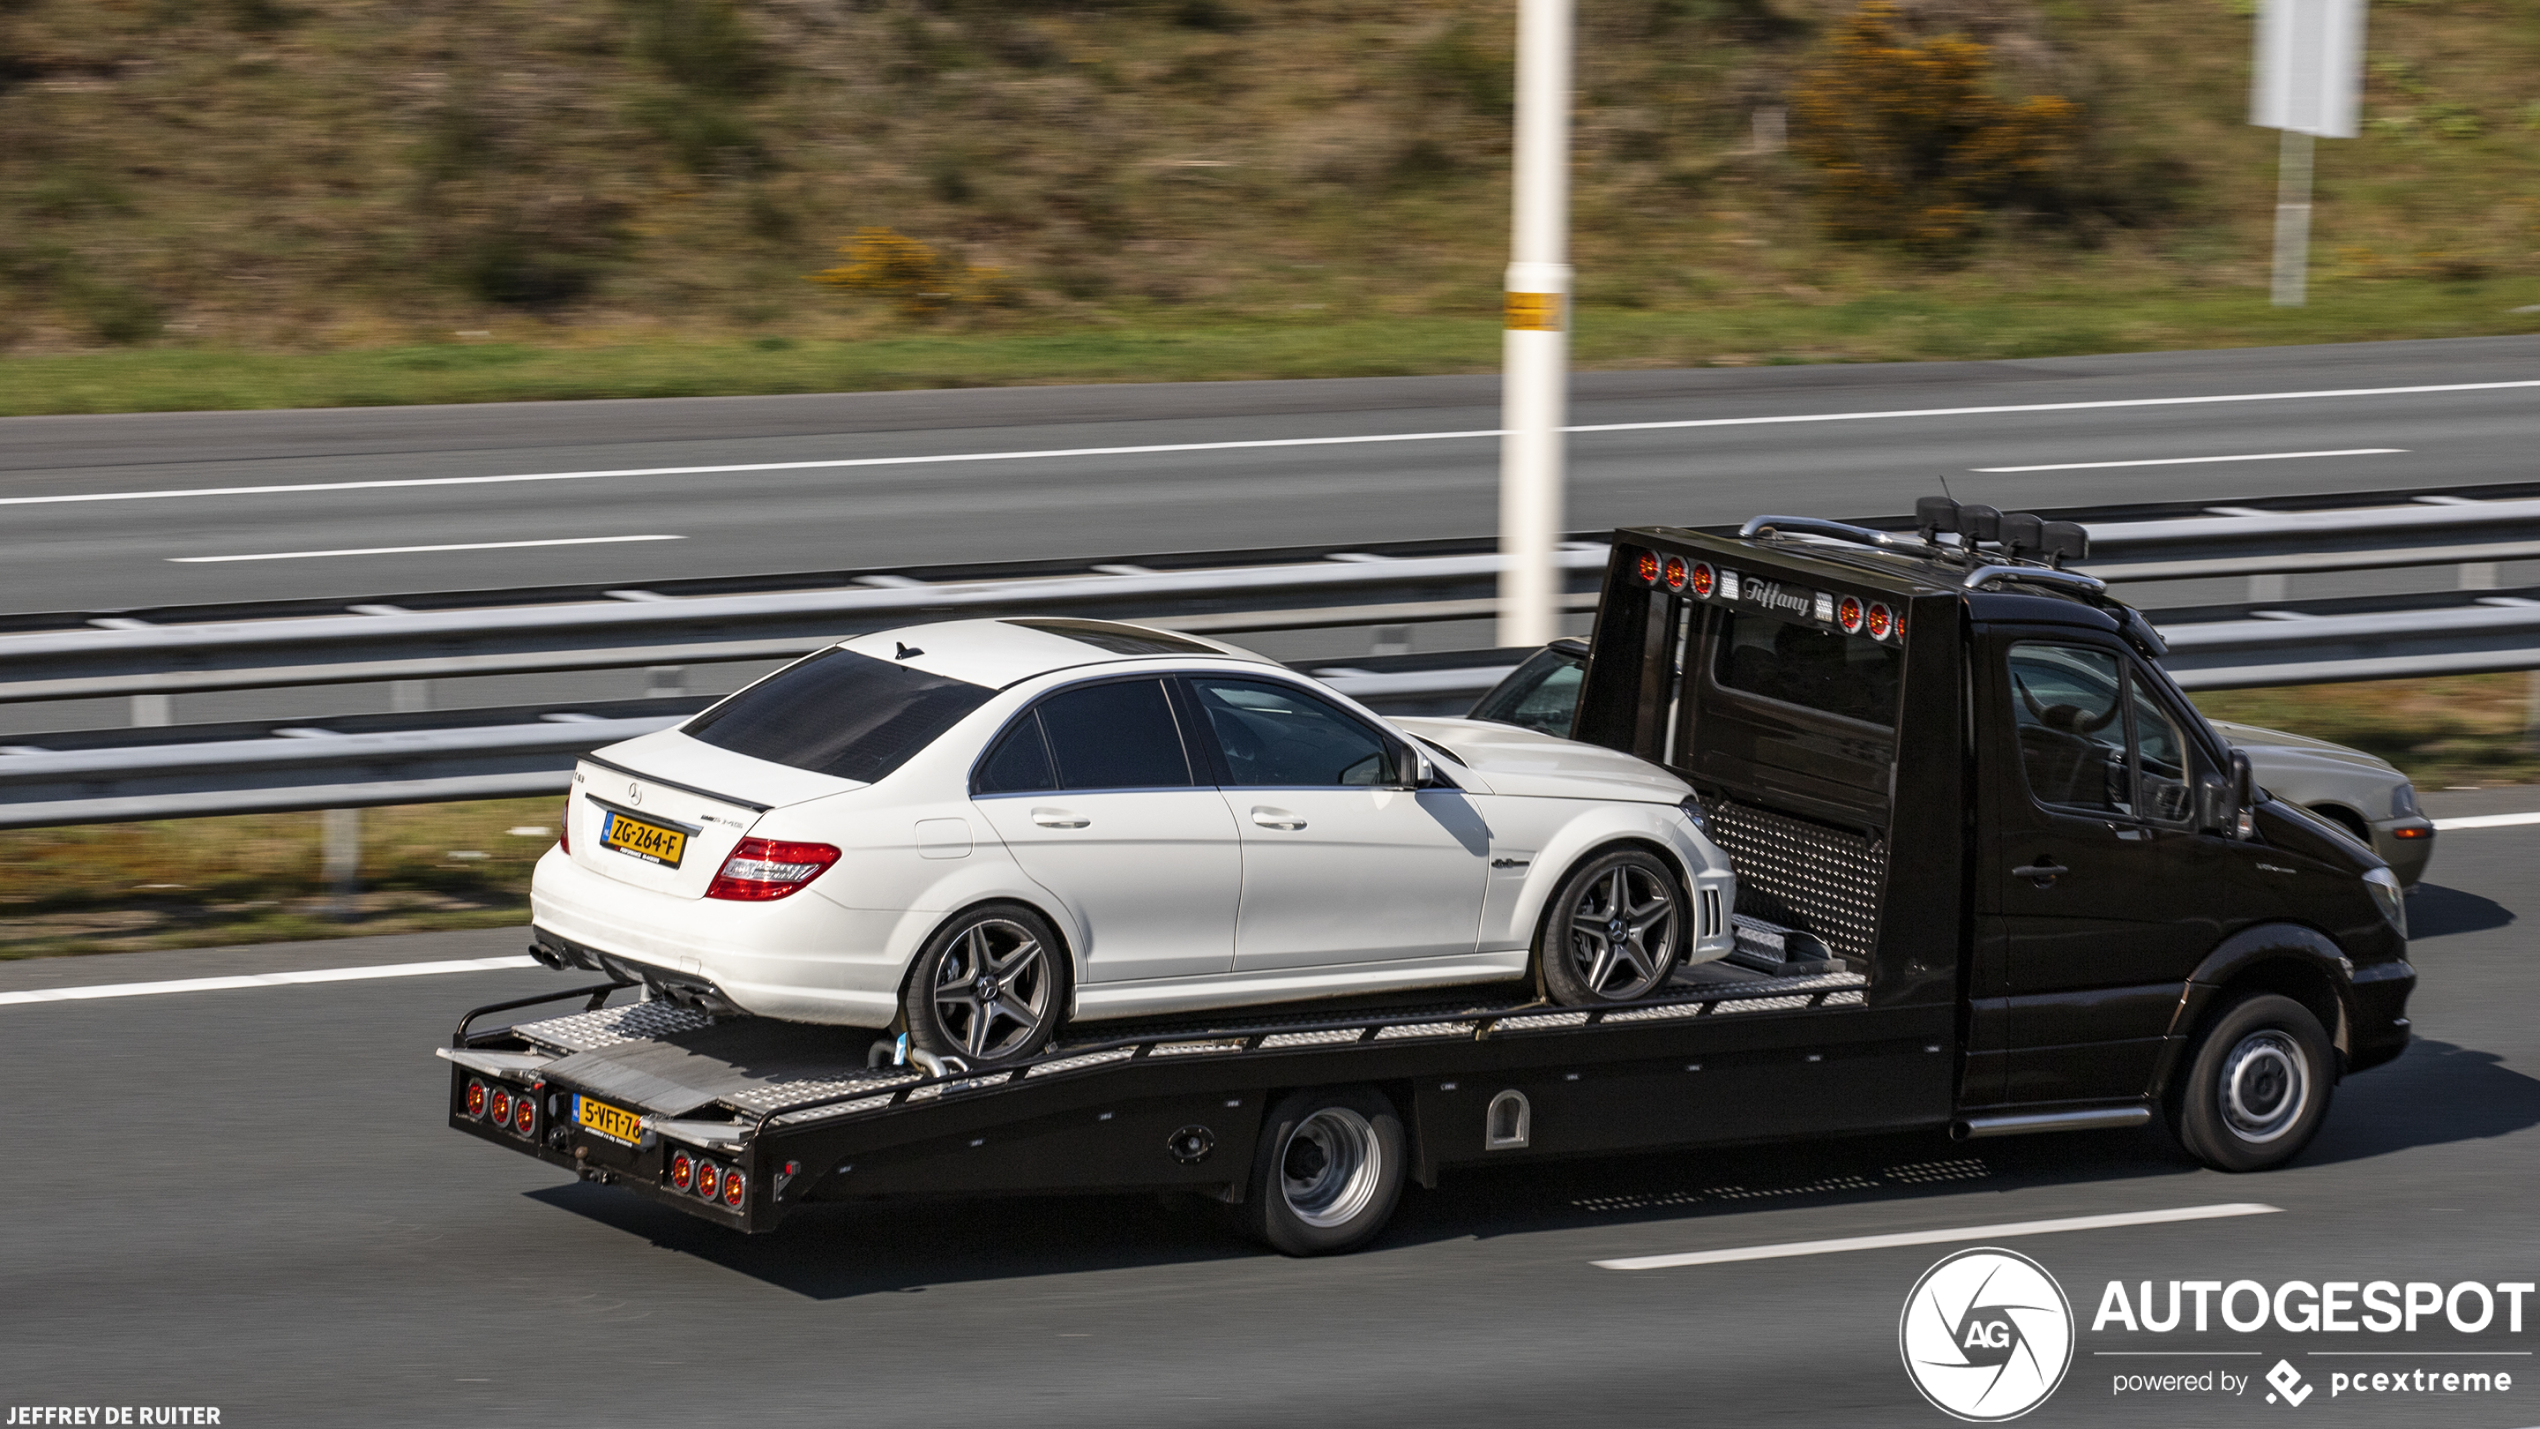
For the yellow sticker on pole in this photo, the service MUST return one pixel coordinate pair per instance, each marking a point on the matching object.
(1534, 312)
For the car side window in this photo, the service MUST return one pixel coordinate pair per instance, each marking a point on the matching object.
(1541, 695)
(1275, 736)
(1119, 735)
(2068, 709)
(1020, 763)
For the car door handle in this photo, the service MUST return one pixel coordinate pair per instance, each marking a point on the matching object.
(1059, 819)
(2043, 872)
(1275, 818)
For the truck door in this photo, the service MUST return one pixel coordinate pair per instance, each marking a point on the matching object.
(2092, 878)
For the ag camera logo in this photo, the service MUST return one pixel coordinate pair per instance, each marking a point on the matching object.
(1987, 1335)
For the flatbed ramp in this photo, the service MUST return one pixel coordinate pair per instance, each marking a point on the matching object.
(654, 1096)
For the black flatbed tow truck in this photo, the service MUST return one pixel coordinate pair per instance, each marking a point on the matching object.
(1995, 876)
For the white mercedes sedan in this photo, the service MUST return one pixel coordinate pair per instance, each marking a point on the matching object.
(974, 831)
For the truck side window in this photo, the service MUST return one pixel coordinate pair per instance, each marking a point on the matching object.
(2068, 706)
(2160, 761)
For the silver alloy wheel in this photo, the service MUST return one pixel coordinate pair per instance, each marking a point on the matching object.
(992, 988)
(1330, 1167)
(1622, 931)
(2265, 1086)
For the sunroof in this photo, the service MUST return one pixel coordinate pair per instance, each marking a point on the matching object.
(1120, 639)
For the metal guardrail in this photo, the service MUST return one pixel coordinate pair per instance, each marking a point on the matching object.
(510, 753)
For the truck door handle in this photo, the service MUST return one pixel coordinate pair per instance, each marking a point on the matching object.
(2043, 872)
(1275, 818)
(1059, 819)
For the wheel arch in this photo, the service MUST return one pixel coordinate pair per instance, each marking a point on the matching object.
(924, 924)
(2290, 959)
(1590, 836)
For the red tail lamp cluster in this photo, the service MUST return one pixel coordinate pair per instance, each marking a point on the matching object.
(1675, 573)
(759, 870)
(1881, 622)
(510, 1108)
(1848, 613)
(708, 1182)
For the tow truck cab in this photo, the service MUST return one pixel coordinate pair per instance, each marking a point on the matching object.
(1964, 770)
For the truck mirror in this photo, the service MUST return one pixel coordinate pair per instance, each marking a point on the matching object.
(2215, 811)
(2244, 781)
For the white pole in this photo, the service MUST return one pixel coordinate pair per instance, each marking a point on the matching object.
(1535, 350)
(2292, 219)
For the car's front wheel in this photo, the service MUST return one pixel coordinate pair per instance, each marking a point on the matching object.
(989, 987)
(2257, 1089)
(1614, 930)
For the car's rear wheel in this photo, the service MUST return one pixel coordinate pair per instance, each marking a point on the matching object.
(989, 987)
(1614, 931)
(2258, 1087)
(1327, 1172)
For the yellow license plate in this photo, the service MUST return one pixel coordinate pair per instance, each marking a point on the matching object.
(650, 842)
(614, 1122)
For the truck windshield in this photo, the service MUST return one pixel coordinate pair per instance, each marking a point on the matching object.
(839, 713)
(1849, 675)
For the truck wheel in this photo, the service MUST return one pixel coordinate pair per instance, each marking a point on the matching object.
(1613, 931)
(2258, 1088)
(1327, 1172)
(990, 987)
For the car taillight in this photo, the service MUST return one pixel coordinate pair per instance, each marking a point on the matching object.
(564, 826)
(709, 1180)
(1848, 615)
(501, 1105)
(1704, 579)
(1882, 621)
(683, 1171)
(736, 1189)
(525, 1114)
(761, 869)
(476, 1097)
(1648, 568)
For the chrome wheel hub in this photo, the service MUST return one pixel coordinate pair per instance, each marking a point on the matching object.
(1330, 1167)
(2265, 1086)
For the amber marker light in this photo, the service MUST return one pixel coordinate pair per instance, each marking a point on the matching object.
(1705, 580)
(1648, 568)
(476, 1097)
(736, 1189)
(709, 1180)
(683, 1171)
(1677, 573)
(1881, 621)
(1848, 615)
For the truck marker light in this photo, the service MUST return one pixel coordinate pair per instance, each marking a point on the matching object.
(1881, 621)
(709, 1179)
(1705, 580)
(1848, 615)
(761, 870)
(682, 1171)
(736, 1189)
(1677, 573)
(1648, 568)
(476, 1097)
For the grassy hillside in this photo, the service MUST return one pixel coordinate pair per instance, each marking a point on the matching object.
(1128, 188)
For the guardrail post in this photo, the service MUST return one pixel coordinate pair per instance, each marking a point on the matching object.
(343, 869)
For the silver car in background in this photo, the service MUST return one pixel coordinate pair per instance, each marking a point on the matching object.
(2361, 795)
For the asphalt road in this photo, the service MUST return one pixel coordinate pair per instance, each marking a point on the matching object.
(1324, 475)
(247, 1199)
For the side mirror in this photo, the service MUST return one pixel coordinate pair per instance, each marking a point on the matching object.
(1414, 770)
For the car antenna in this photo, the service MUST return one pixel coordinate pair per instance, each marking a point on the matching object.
(906, 650)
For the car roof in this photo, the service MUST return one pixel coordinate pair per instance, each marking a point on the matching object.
(997, 653)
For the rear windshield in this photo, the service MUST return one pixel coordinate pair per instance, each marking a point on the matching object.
(1849, 675)
(839, 713)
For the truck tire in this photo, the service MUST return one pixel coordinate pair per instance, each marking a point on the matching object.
(2258, 1086)
(1327, 1173)
(1614, 930)
(990, 987)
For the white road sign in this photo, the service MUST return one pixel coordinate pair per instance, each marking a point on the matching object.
(2310, 66)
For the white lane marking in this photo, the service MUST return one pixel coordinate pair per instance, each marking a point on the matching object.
(2487, 821)
(1167, 448)
(410, 550)
(2198, 460)
(1939, 1237)
(218, 984)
